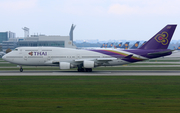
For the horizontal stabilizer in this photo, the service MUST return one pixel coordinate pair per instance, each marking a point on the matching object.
(160, 53)
(127, 57)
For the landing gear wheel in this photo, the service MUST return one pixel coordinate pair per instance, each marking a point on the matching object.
(88, 69)
(81, 70)
(21, 69)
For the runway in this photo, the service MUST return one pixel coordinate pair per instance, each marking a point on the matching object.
(94, 73)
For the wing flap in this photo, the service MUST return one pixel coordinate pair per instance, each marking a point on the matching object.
(106, 59)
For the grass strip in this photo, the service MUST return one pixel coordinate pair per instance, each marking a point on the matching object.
(90, 94)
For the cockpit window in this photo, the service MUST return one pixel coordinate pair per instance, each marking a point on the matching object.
(15, 49)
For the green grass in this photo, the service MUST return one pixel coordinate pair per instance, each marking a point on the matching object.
(90, 94)
(7, 64)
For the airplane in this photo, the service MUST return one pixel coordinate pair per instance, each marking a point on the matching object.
(125, 46)
(103, 45)
(177, 48)
(143, 43)
(135, 46)
(111, 45)
(106, 45)
(85, 60)
(119, 45)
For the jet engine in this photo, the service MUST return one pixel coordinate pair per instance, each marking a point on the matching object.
(64, 65)
(88, 64)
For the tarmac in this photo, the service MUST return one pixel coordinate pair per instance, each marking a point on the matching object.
(94, 73)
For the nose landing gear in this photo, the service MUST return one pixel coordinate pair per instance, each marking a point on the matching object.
(21, 69)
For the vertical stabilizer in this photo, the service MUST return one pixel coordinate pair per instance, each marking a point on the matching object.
(126, 45)
(71, 33)
(135, 46)
(161, 39)
(119, 45)
(178, 48)
(111, 45)
(103, 45)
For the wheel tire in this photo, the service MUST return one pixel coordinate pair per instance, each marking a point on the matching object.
(82, 70)
(86, 69)
(21, 70)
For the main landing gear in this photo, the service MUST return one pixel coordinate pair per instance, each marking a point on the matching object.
(84, 69)
(21, 69)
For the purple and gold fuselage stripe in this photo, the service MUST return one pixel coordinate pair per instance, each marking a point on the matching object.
(124, 54)
(115, 53)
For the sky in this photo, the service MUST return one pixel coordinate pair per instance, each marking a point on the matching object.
(94, 19)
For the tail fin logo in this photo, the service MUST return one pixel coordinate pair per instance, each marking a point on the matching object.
(136, 45)
(162, 38)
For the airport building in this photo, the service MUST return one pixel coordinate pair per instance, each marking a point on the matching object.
(10, 44)
(40, 40)
(4, 36)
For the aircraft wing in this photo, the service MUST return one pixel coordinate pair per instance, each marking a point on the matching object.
(160, 53)
(98, 59)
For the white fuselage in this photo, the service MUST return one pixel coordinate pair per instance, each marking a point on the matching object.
(49, 56)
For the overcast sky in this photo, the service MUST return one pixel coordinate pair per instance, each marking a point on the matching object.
(94, 19)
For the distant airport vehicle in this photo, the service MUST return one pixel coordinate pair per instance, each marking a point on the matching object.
(135, 46)
(85, 60)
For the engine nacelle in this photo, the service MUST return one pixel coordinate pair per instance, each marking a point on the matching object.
(88, 64)
(64, 65)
